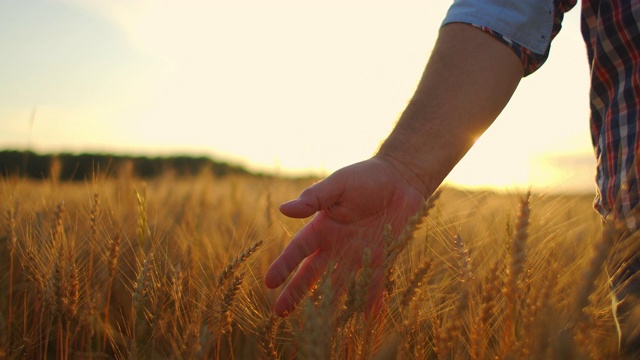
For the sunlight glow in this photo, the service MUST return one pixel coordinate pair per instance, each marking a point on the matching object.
(287, 86)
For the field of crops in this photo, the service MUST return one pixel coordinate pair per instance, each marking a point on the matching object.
(173, 268)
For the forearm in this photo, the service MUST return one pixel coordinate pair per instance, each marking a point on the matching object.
(468, 80)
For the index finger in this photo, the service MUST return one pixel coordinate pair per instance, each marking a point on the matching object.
(303, 244)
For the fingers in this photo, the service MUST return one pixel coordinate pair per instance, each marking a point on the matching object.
(317, 197)
(304, 279)
(303, 244)
(310, 272)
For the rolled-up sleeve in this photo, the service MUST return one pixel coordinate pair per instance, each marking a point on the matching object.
(527, 26)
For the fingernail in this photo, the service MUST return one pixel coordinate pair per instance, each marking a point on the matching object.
(289, 202)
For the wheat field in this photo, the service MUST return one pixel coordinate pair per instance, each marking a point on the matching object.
(172, 268)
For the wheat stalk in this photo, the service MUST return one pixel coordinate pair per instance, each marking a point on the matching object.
(57, 230)
(365, 279)
(93, 236)
(389, 262)
(112, 264)
(143, 227)
(536, 302)
(71, 297)
(358, 289)
(452, 327)
(415, 283)
(231, 268)
(176, 294)
(393, 247)
(412, 224)
(490, 293)
(518, 252)
(137, 299)
(267, 332)
(318, 323)
(512, 289)
(11, 245)
(227, 302)
(142, 283)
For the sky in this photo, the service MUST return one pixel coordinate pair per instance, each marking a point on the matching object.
(290, 87)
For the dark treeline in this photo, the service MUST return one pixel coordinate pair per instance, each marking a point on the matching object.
(86, 166)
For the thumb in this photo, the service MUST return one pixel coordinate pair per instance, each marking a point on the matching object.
(319, 196)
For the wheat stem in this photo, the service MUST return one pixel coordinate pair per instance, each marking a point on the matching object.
(11, 230)
(112, 264)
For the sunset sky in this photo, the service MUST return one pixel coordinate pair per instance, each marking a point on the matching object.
(287, 86)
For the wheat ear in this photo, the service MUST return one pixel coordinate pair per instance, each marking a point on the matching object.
(393, 248)
(415, 283)
(412, 224)
(227, 303)
(57, 230)
(230, 269)
(267, 334)
(453, 326)
(512, 290)
(143, 227)
(517, 252)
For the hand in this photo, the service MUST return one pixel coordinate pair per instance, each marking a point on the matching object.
(352, 206)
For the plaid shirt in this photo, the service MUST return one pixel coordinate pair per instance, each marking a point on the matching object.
(611, 31)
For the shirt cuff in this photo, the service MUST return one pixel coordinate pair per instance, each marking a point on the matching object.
(532, 50)
(530, 60)
(526, 22)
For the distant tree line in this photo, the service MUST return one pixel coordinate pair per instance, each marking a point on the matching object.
(86, 166)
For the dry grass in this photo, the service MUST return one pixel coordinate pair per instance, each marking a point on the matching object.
(173, 269)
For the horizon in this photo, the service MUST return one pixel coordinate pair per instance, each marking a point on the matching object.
(251, 171)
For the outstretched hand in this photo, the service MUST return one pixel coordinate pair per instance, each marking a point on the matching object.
(351, 208)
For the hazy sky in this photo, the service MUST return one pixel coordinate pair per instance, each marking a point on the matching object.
(294, 86)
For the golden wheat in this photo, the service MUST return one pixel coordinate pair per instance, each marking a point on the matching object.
(182, 276)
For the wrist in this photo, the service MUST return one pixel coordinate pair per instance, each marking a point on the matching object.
(412, 177)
